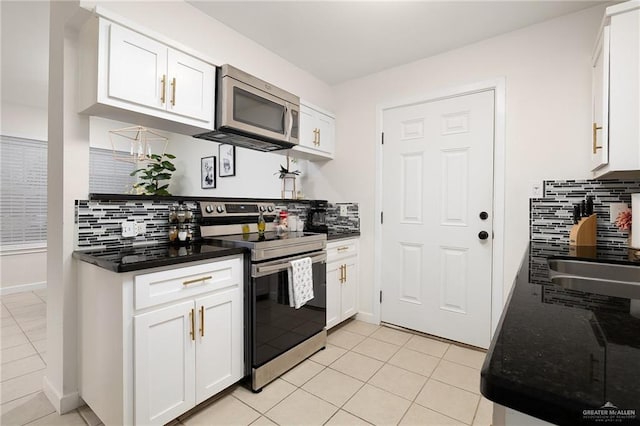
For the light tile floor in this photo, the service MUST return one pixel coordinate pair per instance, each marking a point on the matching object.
(368, 374)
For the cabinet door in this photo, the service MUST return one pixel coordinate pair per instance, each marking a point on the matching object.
(190, 88)
(164, 360)
(349, 289)
(220, 349)
(326, 133)
(333, 293)
(308, 127)
(600, 103)
(137, 68)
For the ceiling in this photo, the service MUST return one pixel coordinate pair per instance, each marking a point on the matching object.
(341, 40)
(333, 40)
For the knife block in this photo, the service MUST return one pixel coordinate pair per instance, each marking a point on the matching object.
(583, 233)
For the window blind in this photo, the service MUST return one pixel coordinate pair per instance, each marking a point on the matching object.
(108, 175)
(23, 187)
(23, 191)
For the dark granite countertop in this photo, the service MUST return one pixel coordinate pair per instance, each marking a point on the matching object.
(126, 259)
(558, 352)
(333, 234)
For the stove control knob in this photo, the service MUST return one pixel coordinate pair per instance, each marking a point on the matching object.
(261, 208)
(208, 209)
(220, 209)
(270, 208)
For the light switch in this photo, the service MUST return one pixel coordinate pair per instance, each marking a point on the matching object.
(343, 210)
(536, 189)
(129, 229)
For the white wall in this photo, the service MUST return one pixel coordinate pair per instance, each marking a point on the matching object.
(255, 171)
(548, 113)
(21, 270)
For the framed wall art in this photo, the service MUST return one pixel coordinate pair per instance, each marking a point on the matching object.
(208, 172)
(227, 157)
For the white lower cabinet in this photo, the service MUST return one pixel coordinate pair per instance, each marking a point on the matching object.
(148, 365)
(342, 280)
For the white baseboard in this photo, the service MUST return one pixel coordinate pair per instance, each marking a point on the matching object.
(62, 403)
(367, 317)
(22, 288)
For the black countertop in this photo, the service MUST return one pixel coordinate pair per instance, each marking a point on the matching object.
(558, 352)
(126, 259)
(341, 234)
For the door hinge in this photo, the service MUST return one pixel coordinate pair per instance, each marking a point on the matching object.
(382, 138)
(380, 296)
(381, 218)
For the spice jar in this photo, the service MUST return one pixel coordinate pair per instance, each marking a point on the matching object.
(173, 233)
(182, 213)
(173, 214)
(182, 232)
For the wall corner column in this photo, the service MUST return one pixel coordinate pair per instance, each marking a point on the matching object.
(68, 176)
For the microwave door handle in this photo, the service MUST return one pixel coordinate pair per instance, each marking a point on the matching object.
(288, 121)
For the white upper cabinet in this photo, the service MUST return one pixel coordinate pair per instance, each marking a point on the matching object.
(130, 77)
(317, 134)
(600, 102)
(617, 99)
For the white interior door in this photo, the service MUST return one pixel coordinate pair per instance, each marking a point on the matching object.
(437, 207)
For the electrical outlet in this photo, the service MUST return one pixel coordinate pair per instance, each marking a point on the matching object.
(141, 228)
(615, 209)
(536, 189)
(129, 229)
(343, 210)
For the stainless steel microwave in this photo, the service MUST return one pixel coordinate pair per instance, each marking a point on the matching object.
(252, 113)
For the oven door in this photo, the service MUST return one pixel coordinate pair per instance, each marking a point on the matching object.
(254, 111)
(277, 327)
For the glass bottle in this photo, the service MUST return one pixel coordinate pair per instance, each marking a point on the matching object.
(261, 224)
(182, 213)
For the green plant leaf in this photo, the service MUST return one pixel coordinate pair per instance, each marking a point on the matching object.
(171, 156)
(168, 165)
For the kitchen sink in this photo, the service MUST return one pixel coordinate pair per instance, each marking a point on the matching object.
(602, 278)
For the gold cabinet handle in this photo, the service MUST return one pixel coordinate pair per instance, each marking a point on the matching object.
(173, 92)
(192, 316)
(318, 137)
(201, 321)
(164, 88)
(345, 273)
(343, 248)
(197, 280)
(595, 129)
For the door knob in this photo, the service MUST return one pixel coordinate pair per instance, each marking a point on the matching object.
(483, 235)
(484, 215)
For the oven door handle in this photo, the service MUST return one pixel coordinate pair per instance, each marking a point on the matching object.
(283, 265)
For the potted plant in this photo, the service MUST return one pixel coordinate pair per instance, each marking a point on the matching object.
(288, 177)
(158, 169)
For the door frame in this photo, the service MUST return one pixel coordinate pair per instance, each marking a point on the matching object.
(498, 85)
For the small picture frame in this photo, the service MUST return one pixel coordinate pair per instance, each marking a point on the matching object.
(208, 172)
(227, 157)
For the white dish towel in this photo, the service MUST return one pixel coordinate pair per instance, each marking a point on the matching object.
(300, 282)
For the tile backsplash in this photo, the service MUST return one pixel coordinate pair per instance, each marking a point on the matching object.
(551, 217)
(98, 222)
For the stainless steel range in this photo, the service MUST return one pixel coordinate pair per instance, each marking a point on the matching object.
(278, 336)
